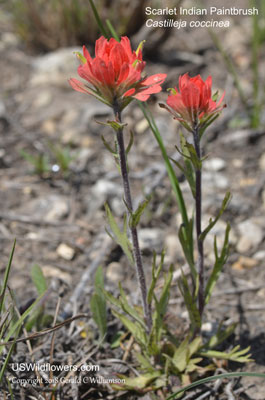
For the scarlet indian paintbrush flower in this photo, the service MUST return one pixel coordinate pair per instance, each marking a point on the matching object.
(115, 73)
(192, 103)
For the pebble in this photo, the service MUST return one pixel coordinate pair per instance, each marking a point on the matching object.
(65, 251)
(103, 189)
(54, 68)
(50, 271)
(141, 126)
(173, 248)
(260, 255)
(214, 164)
(244, 263)
(251, 236)
(50, 208)
(114, 272)
(151, 239)
(212, 180)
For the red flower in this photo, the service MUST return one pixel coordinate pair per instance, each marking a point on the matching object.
(193, 103)
(115, 73)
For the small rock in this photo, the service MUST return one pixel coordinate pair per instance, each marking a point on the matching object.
(244, 263)
(53, 272)
(214, 164)
(260, 255)
(173, 248)
(104, 189)
(114, 272)
(54, 68)
(43, 98)
(251, 236)
(50, 208)
(151, 239)
(212, 180)
(65, 251)
(141, 126)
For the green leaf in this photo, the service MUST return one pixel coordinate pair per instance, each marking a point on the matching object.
(38, 279)
(205, 124)
(112, 30)
(195, 345)
(181, 356)
(172, 176)
(134, 328)
(117, 126)
(197, 163)
(144, 362)
(219, 263)
(161, 305)
(186, 242)
(108, 147)
(190, 303)
(156, 271)
(136, 215)
(220, 336)
(128, 148)
(98, 309)
(236, 355)
(225, 202)
(112, 299)
(130, 310)
(17, 325)
(139, 383)
(80, 57)
(188, 173)
(120, 237)
(98, 303)
(116, 340)
(6, 276)
(98, 19)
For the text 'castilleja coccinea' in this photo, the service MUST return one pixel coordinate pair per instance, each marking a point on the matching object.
(115, 73)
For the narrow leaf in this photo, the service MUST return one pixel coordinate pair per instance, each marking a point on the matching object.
(38, 279)
(120, 237)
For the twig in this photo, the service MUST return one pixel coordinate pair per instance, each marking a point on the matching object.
(44, 331)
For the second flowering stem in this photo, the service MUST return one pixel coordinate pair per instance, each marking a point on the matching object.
(198, 206)
(135, 242)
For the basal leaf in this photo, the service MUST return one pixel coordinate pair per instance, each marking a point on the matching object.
(134, 327)
(98, 309)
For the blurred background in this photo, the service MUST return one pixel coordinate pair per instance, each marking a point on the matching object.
(56, 175)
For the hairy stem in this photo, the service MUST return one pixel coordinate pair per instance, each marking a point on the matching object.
(198, 202)
(134, 234)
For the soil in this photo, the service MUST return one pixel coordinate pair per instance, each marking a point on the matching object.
(58, 218)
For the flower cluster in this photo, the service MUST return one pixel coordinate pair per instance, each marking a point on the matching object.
(115, 73)
(192, 103)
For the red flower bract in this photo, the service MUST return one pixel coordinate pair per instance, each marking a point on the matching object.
(115, 73)
(193, 102)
